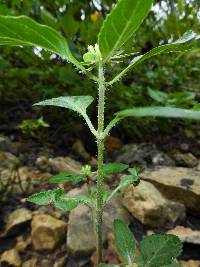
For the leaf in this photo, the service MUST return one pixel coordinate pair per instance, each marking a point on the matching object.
(42, 198)
(83, 199)
(108, 265)
(129, 179)
(23, 31)
(132, 178)
(75, 103)
(111, 168)
(120, 25)
(168, 112)
(124, 241)
(160, 249)
(182, 44)
(65, 177)
(176, 46)
(63, 202)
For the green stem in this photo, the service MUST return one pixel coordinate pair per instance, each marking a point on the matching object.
(100, 144)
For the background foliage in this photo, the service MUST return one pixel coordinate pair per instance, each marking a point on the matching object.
(29, 75)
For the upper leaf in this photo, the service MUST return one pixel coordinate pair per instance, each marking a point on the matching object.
(76, 103)
(168, 112)
(24, 31)
(124, 241)
(120, 24)
(113, 168)
(65, 177)
(180, 45)
(160, 249)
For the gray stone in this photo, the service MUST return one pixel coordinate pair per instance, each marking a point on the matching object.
(80, 235)
(148, 205)
(143, 154)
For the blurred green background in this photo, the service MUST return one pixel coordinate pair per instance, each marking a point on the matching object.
(29, 75)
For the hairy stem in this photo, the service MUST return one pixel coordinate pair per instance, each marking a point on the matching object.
(100, 144)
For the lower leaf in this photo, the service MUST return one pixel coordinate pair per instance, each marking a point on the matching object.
(160, 249)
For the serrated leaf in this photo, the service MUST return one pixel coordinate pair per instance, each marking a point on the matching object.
(129, 179)
(167, 112)
(75, 103)
(63, 202)
(65, 177)
(124, 241)
(42, 198)
(160, 249)
(115, 167)
(24, 31)
(120, 25)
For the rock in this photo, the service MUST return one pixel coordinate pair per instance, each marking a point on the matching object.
(22, 243)
(148, 205)
(162, 159)
(8, 161)
(80, 234)
(185, 160)
(42, 163)
(45, 263)
(47, 232)
(23, 180)
(5, 143)
(184, 147)
(190, 263)
(79, 149)
(66, 164)
(30, 263)
(186, 235)
(143, 154)
(17, 220)
(61, 262)
(50, 210)
(11, 257)
(178, 184)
